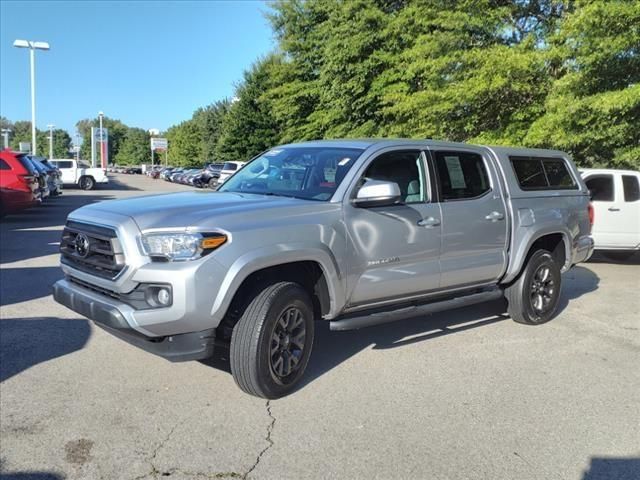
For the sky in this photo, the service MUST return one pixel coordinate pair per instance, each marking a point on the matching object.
(148, 63)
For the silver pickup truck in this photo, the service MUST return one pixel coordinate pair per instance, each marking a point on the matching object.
(353, 232)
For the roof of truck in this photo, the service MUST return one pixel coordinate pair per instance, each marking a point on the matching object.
(364, 143)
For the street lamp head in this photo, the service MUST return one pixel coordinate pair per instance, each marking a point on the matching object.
(32, 45)
(101, 114)
(40, 45)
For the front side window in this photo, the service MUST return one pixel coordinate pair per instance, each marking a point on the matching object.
(601, 188)
(64, 164)
(404, 168)
(310, 173)
(461, 175)
(631, 188)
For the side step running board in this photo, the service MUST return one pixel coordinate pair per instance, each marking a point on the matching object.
(362, 319)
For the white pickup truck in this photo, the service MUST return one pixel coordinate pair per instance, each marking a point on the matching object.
(77, 172)
(615, 195)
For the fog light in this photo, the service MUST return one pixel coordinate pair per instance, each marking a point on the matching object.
(164, 296)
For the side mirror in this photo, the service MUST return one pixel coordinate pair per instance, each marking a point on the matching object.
(377, 193)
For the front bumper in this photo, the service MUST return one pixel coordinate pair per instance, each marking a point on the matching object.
(112, 315)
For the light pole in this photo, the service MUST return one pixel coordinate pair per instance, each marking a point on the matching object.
(5, 134)
(32, 46)
(77, 147)
(101, 115)
(50, 127)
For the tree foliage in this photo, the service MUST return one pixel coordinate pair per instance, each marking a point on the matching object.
(135, 148)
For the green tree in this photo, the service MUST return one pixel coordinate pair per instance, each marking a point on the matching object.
(209, 120)
(61, 143)
(21, 133)
(185, 144)
(249, 126)
(135, 148)
(593, 107)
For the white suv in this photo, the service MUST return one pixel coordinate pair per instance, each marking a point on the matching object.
(228, 169)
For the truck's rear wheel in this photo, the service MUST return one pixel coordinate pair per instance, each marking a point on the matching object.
(87, 183)
(271, 344)
(533, 297)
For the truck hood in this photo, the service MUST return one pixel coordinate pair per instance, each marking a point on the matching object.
(204, 209)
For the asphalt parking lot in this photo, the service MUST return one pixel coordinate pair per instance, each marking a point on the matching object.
(464, 394)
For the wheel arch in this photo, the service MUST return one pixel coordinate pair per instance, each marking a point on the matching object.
(553, 239)
(314, 268)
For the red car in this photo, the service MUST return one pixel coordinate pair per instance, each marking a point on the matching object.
(19, 187)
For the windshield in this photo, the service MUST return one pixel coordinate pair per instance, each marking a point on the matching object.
(311, 173)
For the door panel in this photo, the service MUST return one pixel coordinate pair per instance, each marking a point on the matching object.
(474, 219)
(394, 249)
(608, 203)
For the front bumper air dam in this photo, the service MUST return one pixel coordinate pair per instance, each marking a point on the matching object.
(175, 348)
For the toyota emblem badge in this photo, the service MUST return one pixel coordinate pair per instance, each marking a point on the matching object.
(82, 245)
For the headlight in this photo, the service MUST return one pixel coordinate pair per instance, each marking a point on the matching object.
(181, 246)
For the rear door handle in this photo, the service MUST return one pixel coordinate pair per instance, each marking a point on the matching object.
(429, 222)
(613, 209)
(494, 216)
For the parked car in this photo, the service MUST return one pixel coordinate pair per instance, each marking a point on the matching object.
(616, 200)
(80, 173)
(56, 174)
(49, 175)
(43, 177)
(164, 173)
(172, 177)
(19, 185)
(133, 170)
(209, 176)
(371, 231)
(228, 169)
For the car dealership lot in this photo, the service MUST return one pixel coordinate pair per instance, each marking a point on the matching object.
(461, 394)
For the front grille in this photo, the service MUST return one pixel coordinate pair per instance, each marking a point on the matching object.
(92, 249)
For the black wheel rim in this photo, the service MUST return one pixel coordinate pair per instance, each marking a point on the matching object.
(288, 343)
(543, 289)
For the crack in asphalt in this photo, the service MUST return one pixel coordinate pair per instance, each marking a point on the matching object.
(267, 438)
(155, 473)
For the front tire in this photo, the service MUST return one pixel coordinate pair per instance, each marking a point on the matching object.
(271, 344)
(87, 183)
(533, 298)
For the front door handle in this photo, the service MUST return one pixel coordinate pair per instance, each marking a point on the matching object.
(494, 216)
(613, 209)
(429, 222)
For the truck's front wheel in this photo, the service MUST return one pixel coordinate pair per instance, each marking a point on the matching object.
(533, 298)
(271, 344)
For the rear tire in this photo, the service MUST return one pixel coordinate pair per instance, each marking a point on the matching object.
(533, 298)
(87, 183)
(213, 183)
(271, 344)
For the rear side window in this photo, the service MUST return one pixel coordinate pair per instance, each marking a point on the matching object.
(230, 166)
(541, 173)
(601, 188)
(631, 188)
(4, 165)
(29, 167)
(461, 175)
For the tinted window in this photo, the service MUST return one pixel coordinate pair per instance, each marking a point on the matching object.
(4, 165)
(26, 163)
(601, 188)
(539, 173)
(461, 175)
(631, 188)
(64, 164)
(405, 169)
(230, 166)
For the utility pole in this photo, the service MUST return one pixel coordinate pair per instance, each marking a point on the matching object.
(50, 127)
(77, 147)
